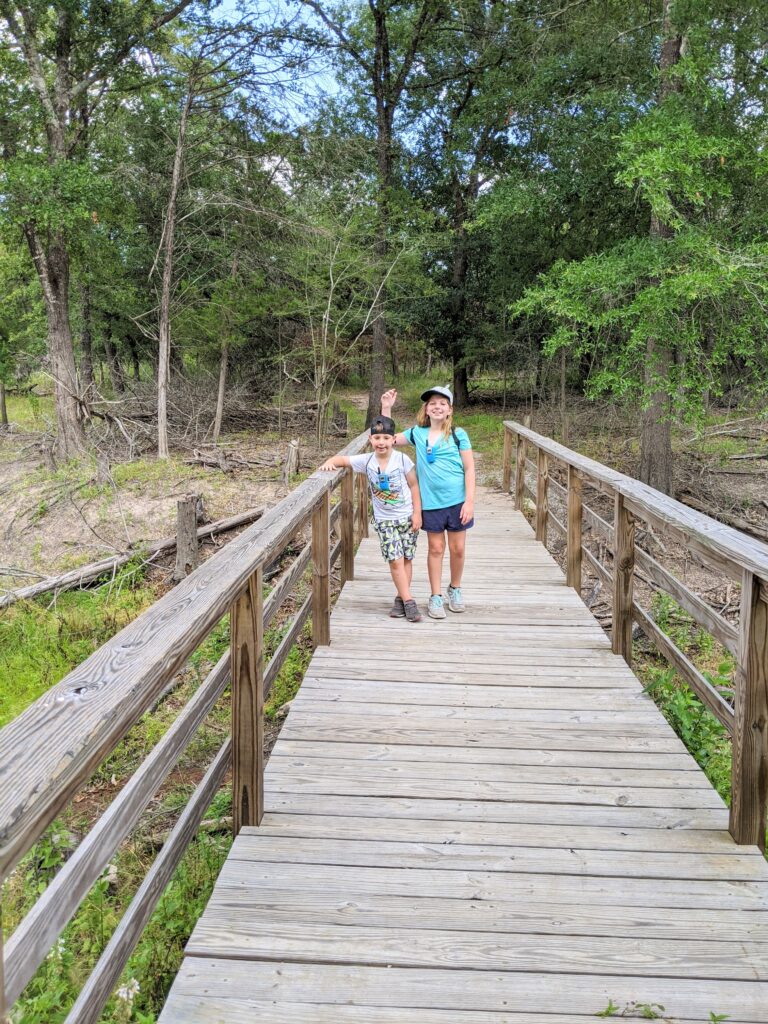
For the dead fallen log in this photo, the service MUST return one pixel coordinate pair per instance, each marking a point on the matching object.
(737, 522)
(148, 552)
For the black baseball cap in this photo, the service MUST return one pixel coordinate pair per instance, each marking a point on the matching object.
(383, 425)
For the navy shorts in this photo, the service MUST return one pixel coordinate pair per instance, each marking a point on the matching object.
(435, 520)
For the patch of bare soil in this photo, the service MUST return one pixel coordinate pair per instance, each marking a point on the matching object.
(51, 521)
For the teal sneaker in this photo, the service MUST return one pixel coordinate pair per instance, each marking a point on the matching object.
(436, 608)
(455, 600)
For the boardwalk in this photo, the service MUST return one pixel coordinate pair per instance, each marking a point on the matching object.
(479, 821)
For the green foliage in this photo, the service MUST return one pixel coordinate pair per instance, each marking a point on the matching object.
(40, 643)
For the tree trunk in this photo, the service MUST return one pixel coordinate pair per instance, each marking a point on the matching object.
(223, 367)
(460, 386)
(3, 406)
(86, 344)
(656, 435)
(53, 271)
(169, 230)
(135, 361)
(115, 369)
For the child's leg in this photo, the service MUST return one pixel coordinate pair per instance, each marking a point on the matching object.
(435, 560)
(457, 543)
(401, 578)
(409, 570)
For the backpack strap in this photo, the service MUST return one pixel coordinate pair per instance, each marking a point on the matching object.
(455, 437)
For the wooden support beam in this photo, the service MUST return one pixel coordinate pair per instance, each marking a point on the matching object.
(348, 526)
(361, 482)
(573, 577)
(187, 546)
(520, 473)
(506, 462)
(542, 496)
(623, 576)
(749, 775)
(321, 573)
(3, 1007)
(247, 659)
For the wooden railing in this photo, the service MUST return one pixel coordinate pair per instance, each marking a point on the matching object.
(50, 751)
(730, 553)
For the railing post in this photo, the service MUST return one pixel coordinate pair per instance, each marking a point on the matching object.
(361, 483)
(347, 526)
(321, 576)
(520, 457)
(573, 577)
(749, 773)
(623, 577)
(247, 666)
(506, 461)
(3, 1007)
(542, 495)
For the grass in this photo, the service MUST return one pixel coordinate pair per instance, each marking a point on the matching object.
(31, 412)
(41, 642)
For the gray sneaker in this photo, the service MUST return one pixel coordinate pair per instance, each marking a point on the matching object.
(412, 612)
(455, 600)
(397, 611)
(436, 608)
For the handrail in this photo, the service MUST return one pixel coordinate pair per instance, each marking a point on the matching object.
(729, 551)
(50, 751)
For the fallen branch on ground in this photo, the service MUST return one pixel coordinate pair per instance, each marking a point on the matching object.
(95, 570)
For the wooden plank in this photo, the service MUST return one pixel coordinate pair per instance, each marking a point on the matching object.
(519, 472)
(513, 775)
(749, 787)
(56, 743)
(361, 483)
(234, 932)
(105, 975)
(384, 754)
(321, 579)
(542, 496)
(514, 719)
(623, 573)
(574, 506)
(33, 938)
(347, 526)
(247, 658)
(566, 889)
(506, 462)
(325, 824)
(471, 789)
(457, 990)
(205, 1008)
(449, 809)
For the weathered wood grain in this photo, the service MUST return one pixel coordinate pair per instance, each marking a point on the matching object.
(623, 575)
(749, 787)
(347, 526)
(542, 495)
(574, 512)
(247, 661)
(520, 472)
(31, 941)
(321, 578)
(506, 462)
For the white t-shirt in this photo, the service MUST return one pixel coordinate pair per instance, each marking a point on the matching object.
(390, 493)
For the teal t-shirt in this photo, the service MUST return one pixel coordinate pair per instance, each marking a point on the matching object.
(441, 482)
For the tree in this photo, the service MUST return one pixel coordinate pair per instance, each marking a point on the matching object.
(66, 60)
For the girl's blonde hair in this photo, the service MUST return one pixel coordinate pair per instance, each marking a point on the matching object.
(423, 420)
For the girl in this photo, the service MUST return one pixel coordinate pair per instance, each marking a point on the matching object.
(446, 471)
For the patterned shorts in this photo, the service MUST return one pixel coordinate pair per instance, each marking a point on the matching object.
(397, 539)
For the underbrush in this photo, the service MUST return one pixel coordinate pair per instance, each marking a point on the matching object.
(703, 735)
(41, 641)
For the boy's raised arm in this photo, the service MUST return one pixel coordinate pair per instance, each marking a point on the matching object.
(335, 462)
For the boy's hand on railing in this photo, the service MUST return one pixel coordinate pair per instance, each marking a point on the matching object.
(388, 399)
(416, 522)
(329, 466)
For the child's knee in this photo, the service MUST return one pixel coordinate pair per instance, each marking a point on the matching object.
(436, 543)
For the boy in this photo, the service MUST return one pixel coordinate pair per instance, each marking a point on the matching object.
(396, 508)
